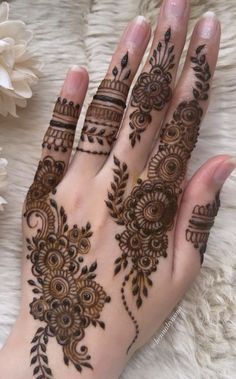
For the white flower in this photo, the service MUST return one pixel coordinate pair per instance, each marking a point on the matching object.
(3, 173)
(18, 69)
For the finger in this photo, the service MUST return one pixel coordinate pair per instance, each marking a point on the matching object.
(105, 113)
(59, 137)
(199, 207)
(180, 130)
(153, 89)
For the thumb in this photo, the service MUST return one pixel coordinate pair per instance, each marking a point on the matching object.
(198, 209)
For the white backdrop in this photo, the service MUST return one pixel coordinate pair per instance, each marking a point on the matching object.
(202, 341)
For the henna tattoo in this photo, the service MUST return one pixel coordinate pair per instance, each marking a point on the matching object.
(67, 299)
(61, 132)
(152, 90)
(200, 224)
(59, 140)
(105, 113)
(148, 212)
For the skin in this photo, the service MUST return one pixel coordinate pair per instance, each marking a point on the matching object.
(82, 192)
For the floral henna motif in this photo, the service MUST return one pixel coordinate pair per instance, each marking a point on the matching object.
(200, 224)
(106, 111)
(67, 299)
(61, 132)
(148, 212)
(152, 90)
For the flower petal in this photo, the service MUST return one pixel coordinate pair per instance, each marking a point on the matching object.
(15, 29)
(5, 80)
(23, 89)
(4, 11)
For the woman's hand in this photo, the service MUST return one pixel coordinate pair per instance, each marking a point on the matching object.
(115, 237)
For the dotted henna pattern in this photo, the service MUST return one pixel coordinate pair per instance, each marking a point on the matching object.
(148, 212)
(67, 299)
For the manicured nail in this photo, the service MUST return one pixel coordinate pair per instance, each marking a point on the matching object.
(137, 32)
(175, 8)
(224, 170)
(208, 25)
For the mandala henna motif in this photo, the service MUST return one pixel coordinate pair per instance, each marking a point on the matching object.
(106, 111)
(67, 299)
(61, 132)
(148, 212)
(200, 224)
(152, 90)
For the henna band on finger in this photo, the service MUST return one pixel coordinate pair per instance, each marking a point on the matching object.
(61, 132)
(106, 111)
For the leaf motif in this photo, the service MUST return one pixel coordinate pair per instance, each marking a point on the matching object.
(36, 370)
(117, 269)
(116, 161)
(90, 139)
(43, 348)
(199, 49)
(159, 46)
(124, 60)
(34, 348)
(33, 360)
(168, 35)
(139, 302)
(127, 75)
(47, 370)
(44, 358)
(135, 290)
(36, 290)
(93, 267)
(31, 282)
(115, 71)
(88, 365)
(101, 324)
(66, 360)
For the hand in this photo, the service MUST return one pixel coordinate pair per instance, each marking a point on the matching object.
(114, 237)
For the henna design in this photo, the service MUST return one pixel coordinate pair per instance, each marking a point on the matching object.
(61, 132)
(105, 113)
(148, 212)
(58, 139)
(200, 224)
(152, 90)
(67, 299)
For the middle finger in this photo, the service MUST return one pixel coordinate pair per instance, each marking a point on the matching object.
(153, 90)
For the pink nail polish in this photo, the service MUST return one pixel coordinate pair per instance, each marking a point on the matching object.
(224, 170)
(175, 8)
(137, 32)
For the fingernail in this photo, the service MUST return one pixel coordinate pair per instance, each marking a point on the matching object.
(137, 32)
(208, 25)
(76, 80)
(224, 170)
(175, 8)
